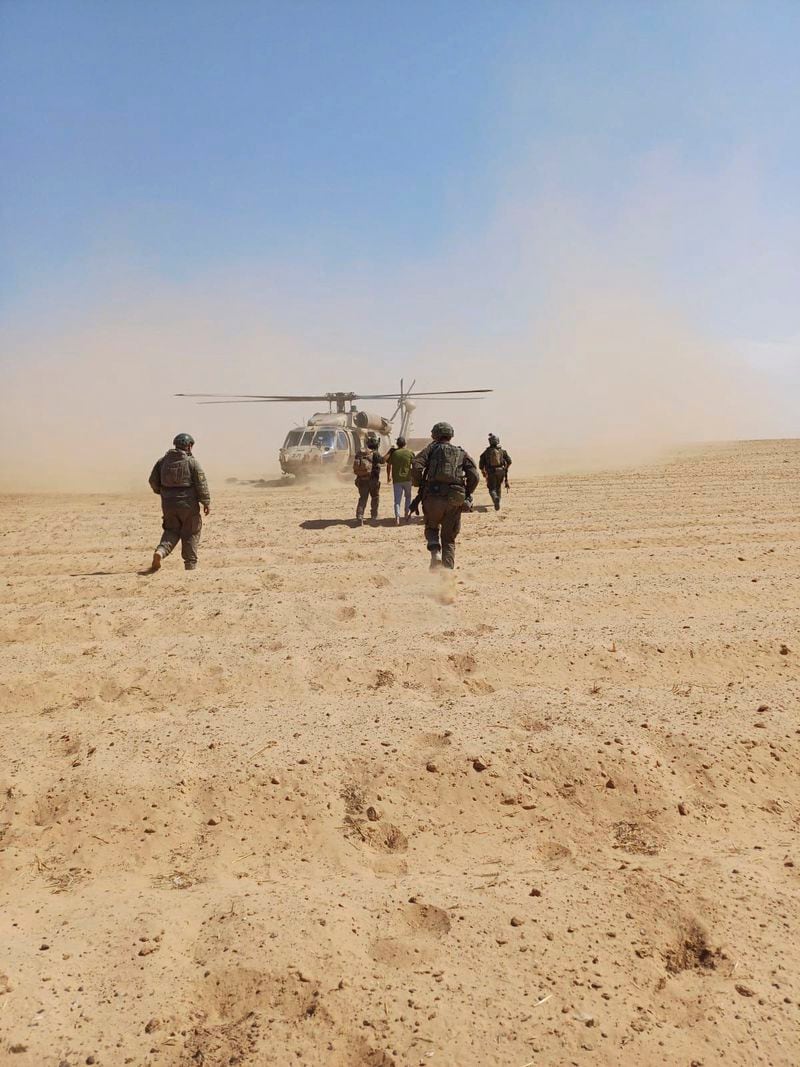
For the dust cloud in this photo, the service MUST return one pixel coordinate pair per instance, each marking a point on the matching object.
(587, 369)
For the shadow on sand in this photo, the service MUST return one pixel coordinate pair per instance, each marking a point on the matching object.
(323, 524)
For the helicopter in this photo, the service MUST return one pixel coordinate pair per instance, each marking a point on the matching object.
(329, 440)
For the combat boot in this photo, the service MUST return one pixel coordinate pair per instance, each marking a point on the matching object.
(156, 564)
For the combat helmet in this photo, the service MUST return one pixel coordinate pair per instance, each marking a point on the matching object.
(371, 440)
(494, 440)
(442, 430)
(183, 441)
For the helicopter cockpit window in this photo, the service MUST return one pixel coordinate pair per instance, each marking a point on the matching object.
(342, 442)
(292, 438)
(306, 440)
(325, 439)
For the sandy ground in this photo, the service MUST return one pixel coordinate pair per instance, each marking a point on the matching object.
(313, 805)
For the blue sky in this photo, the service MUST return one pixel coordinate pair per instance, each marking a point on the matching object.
(401, 171)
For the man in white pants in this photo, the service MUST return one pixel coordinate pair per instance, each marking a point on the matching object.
(398, 472)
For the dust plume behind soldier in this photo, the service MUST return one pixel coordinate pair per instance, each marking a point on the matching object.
(447, 477)
(367, 469)
(494, 463)
(181, 483)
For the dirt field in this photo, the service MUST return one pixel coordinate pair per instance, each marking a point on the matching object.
(311, 804)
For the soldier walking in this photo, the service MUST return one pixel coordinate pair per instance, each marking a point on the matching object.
(367, 469)
(179, 480)
(446, 475)
(398, 472)
(494, 463)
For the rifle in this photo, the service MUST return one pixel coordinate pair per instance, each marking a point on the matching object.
(415, 503)
(505, 480)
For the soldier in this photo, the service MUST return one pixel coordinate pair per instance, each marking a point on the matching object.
(398, 471)
(367, 469)
(446, 475)
(494, 464)
(179, 480)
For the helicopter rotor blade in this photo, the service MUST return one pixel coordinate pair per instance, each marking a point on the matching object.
(254, 396)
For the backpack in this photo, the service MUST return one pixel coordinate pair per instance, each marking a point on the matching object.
(445, 465)
(495, 457)
(363, 465)
(176, 471)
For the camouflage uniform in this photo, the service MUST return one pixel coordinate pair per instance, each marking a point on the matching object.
(179, 480)
(494, 463)
(442, 501)
(369, 488)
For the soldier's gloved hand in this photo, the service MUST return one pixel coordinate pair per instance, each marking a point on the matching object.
(206, 509)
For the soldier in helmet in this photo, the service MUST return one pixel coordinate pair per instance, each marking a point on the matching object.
(447, 476)
(367, 469)
(494, 463)
(179, 480)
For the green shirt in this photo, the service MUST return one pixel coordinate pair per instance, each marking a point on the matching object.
(400, 464)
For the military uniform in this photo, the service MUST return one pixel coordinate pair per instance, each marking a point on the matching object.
(494, 463)
(369, 486)
(179, 479)
(446, 475)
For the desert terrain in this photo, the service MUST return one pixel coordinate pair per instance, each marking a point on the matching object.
(312, 804)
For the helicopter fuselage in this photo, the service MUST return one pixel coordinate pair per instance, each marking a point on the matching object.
(328, 442)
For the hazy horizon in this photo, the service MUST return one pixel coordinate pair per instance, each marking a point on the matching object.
(593, 211)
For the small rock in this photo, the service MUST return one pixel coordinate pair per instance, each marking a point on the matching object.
(18, 1048)
(683, 809)
(535, 892)
(431, 767)
(90, 1060)
(784, 650)
(213, 821)
(516, 921)
(43, 948)
(275, 781)
(611, 784)
(745, 991)
(151, 1026)
(146, 950)
(373, 814)
(479, 765)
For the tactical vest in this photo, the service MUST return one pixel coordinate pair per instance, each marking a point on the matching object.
(176, 471)
(364, 465)
(495, 457)
(445, 465)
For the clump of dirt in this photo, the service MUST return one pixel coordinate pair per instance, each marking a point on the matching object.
(637, 839)
(692, 952)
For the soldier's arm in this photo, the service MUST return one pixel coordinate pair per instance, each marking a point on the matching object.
(419, 465)
(470, 473)
(482, 459)
(507, 458)
(155, 477)
(200, 483)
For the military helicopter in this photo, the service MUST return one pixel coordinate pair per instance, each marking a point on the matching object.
(329, 440)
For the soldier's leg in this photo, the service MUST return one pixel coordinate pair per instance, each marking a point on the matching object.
(397, 489)
(171, 524)
(493, 487)
(362, 484)
(192, 525)
(375, 493)
(433, 508)
(451, 525)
